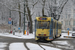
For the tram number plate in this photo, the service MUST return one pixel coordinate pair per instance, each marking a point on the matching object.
(42, 34)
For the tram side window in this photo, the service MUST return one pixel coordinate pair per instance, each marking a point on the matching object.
(53, 25)
(48, 25)
(59, 26)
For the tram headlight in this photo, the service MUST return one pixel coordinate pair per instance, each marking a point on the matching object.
(39, 34)
(44, 34)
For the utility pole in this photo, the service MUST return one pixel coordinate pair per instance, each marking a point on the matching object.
(10, 14)
(2, 17)
(10, 21)
(24, 18)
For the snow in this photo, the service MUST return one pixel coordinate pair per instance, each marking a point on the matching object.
(37, 47)
(49, 48)
(31, 46)
(2, 49)
(61, 42)
(17, 46)
(18, 35)
(3, 45)
(65, 34)
(30, 36)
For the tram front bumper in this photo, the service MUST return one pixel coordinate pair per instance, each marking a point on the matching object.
(42, 37)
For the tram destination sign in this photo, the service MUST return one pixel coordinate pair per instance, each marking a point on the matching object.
(43, 18)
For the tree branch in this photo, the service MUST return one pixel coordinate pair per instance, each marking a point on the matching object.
(32, 13)
(62, 9)
(63, 6)
(34, 3)
(12, 9)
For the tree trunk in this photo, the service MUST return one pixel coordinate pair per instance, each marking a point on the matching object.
(42, 11)
(29, 15)
(19, 16)
(43, 6)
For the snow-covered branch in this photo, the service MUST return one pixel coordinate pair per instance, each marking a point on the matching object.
(10, 8)
(63, 6)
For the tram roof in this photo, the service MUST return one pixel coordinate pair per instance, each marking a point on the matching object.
(48, 19)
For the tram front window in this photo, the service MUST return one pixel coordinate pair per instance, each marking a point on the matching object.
(43, 25)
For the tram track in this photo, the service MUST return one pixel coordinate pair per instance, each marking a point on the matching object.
(41, 46)
(26, 46)
(50, 44)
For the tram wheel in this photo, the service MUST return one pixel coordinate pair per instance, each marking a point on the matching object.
(60, 35)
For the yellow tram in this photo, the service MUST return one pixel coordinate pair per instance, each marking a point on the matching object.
(47, 28)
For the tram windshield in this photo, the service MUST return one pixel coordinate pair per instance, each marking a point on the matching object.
(43, 25)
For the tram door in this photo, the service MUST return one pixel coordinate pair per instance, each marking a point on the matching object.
(56, 28)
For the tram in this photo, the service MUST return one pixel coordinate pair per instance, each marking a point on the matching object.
(47, 28)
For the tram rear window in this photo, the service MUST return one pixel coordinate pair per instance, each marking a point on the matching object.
(43, 25)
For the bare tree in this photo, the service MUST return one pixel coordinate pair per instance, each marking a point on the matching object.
(29, 14)
(43, 4)
(18, 9)
(61, 8)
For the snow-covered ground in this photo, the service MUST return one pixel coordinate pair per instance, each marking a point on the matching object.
(31, 46)
(61, 42)
(65, 34)
(18, 35)
(17, 46)
(37, 47)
